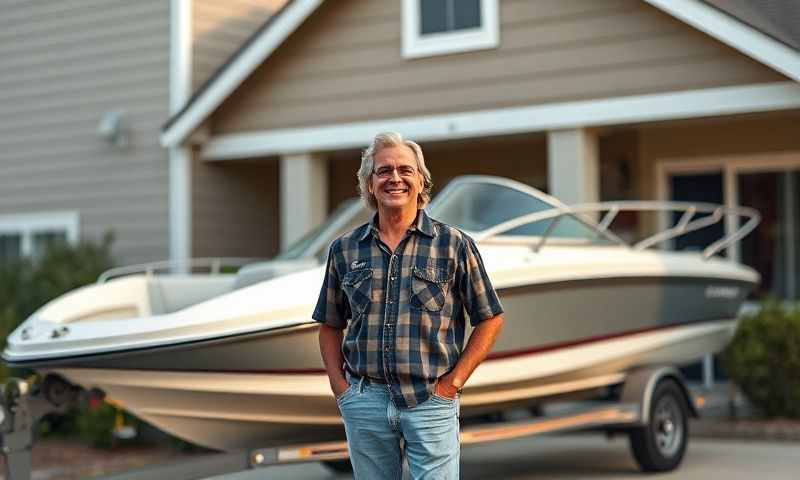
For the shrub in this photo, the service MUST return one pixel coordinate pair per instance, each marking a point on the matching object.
(25, 286)
(764, 360)
(96, 424)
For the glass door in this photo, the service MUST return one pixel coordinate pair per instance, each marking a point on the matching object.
(772, 249)
(700, 188)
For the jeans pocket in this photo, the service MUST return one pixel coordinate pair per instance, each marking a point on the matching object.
(343, 395)
(442, 399)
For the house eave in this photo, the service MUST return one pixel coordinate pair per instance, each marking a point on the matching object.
(533, 118)
(734, 33)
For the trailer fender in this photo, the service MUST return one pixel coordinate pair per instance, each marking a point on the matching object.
(641, 383)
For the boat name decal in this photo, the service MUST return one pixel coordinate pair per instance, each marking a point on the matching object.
(718, 291)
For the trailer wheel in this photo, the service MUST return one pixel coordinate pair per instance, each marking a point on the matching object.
(660, 445)
(339, 466)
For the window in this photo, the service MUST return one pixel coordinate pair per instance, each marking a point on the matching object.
(438, 27)
(772, 248)
(438, 16)
(42, 241)
(10, 247)
(31, 234)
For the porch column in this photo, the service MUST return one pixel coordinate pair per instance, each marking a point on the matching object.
(304, 195)
(572, 165)
(180, 157)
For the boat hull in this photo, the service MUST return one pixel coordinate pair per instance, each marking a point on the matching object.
(234, 410)
(537, 318)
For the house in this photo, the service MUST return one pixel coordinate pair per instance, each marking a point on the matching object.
(84, 89)
(587, 99)
(590, 100)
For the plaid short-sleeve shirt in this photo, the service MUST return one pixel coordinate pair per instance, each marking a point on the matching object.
(405, 310)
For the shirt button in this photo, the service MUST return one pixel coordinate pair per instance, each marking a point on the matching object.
(386, 349)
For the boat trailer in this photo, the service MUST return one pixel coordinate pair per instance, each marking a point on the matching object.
(653, 409)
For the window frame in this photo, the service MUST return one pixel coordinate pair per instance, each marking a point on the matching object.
(26, 225)
(416, 45)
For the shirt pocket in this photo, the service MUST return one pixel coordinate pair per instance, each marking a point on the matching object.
(429, 287)
(357, 285)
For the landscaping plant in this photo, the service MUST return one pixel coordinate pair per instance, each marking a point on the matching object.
(764, 360)
(25, 286)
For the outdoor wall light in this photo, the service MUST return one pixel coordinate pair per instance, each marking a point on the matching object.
(112, 128)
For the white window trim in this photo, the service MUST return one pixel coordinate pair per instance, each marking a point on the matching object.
(28, 224)
(416, 45)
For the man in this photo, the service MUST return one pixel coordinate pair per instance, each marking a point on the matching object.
(401, 285)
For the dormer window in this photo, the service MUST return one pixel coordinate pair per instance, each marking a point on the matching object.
(438, 27)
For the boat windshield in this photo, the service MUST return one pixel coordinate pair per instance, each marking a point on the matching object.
(477, 205)
(348, 215)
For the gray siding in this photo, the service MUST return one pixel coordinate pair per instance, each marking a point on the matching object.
(220, 28)
(63, 64)
(235, 209)
(344, 64)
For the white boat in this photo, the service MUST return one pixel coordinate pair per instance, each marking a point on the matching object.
(231, 361)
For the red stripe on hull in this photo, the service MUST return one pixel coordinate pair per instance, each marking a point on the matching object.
(492, 356)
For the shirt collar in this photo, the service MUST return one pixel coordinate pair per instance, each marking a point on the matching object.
(422, 224)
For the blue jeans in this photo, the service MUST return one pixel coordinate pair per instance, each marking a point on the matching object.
(374, 428)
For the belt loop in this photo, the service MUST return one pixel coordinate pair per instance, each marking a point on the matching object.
(361, 385)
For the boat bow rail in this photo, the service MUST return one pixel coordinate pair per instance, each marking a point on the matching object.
(213, 266)
(689, 221)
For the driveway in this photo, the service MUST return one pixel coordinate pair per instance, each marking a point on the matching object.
(591, 457)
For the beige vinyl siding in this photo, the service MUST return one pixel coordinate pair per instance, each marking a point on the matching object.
(64, 64)
(235, 209)
(344, 64)
(220, 28)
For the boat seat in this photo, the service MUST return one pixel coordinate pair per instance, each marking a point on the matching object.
(263, 271)
(170, 293)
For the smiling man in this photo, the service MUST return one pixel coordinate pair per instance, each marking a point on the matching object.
(392, 308)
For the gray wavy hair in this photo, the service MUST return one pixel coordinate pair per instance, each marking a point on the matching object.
(381, 141)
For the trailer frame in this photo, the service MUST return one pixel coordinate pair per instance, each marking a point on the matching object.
(24, 404)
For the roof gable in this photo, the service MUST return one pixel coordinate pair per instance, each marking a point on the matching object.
(272, 35)
(733, 32)
(778, 18)
(231, 74)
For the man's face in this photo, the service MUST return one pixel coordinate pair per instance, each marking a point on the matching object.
(396, 182)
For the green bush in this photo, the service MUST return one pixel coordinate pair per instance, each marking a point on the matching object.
(764, 360)
(27, 285)
(96, 424)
